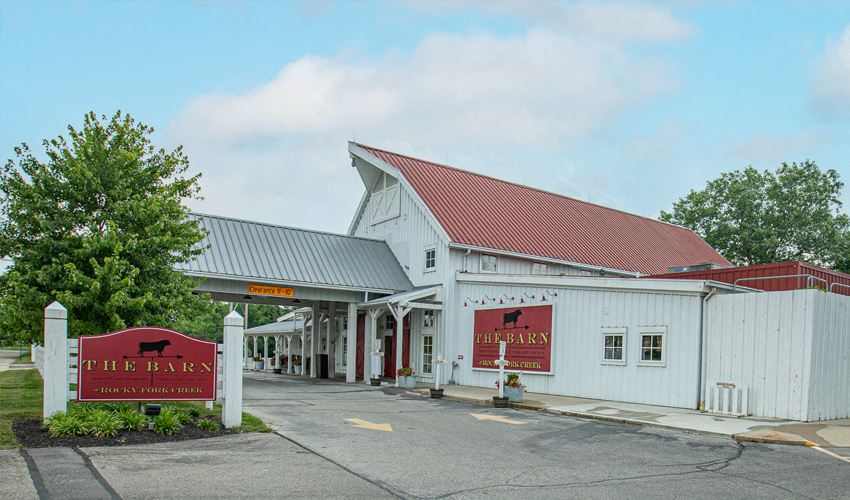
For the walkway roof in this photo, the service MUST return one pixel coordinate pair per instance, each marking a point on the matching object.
(244, 250)
(278, 327)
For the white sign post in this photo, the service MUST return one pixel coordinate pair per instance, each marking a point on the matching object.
(502, 363)
(376, 357)
(439, 362)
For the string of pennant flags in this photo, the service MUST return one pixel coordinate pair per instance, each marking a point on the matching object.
(509, 299)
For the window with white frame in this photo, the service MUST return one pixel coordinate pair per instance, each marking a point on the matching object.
(427, 319)
(389, 323)
(539, 268)
(614, 346)
(427, 354)
(488, 263)
(430, 258)
(652, 345)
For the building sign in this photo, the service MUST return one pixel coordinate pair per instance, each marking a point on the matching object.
(275, 291)
(527, 332)
(146, 364)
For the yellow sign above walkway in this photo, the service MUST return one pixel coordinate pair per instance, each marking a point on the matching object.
(275, 291)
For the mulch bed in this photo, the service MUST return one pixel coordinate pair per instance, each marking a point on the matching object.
(31, 435)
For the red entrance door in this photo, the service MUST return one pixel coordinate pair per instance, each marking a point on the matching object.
(389, 350)
(361, 334)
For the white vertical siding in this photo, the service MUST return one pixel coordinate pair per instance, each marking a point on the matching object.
(829, 393)
(580, 314)
(407, 237)
(764, 341)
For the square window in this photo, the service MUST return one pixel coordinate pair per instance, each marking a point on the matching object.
(652, 345)
(430, 259)
(614, 346)
(539, 268)
(427, 319)
(488, 263)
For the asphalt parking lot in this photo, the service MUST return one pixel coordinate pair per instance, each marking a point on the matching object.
(444, 448)
(336, 440)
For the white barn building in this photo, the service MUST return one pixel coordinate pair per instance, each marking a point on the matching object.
(431, 249)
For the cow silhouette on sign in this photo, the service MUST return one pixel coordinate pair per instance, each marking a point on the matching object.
(153, 346)
(511, 317)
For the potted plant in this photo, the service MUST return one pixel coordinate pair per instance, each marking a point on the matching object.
(513, 388)
(258, 362)
(296, 364)
(405, 377)
(281, 362)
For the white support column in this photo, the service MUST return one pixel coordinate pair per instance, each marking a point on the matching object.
(231, 411)
(399, 312)
(265, 352)
(255, 346)
(56, 371)
(304, 345)
(333, 337)
(369, 343)
(289, 354)
(245, 356)
(351, 355)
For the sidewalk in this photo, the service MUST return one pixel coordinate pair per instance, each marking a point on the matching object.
(765, 430)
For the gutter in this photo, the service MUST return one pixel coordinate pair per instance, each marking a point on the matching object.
(703, 349)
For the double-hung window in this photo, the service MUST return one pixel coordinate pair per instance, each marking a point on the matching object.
(427, 354)
(614, 346)
(430, 258)
(652, 345)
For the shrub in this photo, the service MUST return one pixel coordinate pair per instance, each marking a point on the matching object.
(100, 423)
(207, 424)
(194, 412)
(166, 422)
(130, 420)
(66, 425)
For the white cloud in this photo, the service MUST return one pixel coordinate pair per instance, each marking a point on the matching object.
(614, 20)
(278, 152)
(831, 89)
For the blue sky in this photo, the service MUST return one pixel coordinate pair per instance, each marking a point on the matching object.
(625, 104)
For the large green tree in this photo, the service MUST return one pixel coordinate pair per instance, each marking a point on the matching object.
(755, 217)
(97, 222)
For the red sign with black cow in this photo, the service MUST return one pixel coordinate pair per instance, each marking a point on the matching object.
(527, 331)
(146, 364)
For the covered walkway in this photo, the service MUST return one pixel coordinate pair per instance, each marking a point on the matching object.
(327, 277)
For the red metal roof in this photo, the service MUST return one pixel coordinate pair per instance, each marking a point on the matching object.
(820, 277)
(485, 212)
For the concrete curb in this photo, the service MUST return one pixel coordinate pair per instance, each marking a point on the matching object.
(605, 418)
(741, 438)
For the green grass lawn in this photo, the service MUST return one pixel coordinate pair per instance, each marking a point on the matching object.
(24, 358)
(20, 396)
(21, 393)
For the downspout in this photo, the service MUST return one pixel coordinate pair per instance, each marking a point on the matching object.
(702, 348)
(468, 251)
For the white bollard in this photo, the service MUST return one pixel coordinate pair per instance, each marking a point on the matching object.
(231, 411)
(55, 372)
(438, 362)
(501, 362)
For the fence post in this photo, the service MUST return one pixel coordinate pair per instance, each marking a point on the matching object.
(231, 411)
(55, 371)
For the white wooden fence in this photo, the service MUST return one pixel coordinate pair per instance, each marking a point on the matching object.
(791, 350)
(56, 361)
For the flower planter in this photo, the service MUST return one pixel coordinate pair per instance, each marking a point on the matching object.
(514, 394)
(258, 365)
(500, 402)
(278, 370)
(296, 370)
(436, 393)
(376, 382)
(407, 382)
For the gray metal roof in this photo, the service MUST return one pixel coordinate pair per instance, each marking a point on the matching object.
(286, 326)
(242, 249)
